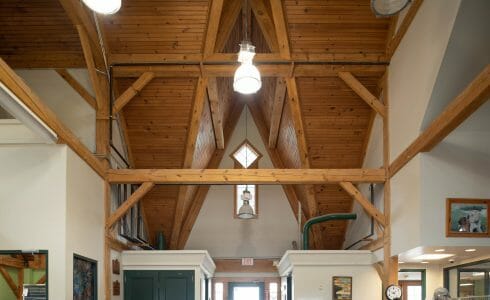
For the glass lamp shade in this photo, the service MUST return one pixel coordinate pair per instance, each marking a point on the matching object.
(246, 211)
(247, 79)
(388, 7)
(106, 7)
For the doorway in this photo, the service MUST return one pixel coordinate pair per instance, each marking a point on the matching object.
(246, 291)
(412, 282)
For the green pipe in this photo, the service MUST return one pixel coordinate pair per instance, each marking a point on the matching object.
(321, 219)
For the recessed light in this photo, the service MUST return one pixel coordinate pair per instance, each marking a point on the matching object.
(401, 262)
(470, 250)
(424, 262)
(465, 284)
(440, 250)
(434, 256)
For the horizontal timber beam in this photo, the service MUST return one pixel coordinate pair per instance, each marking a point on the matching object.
(467, 102)
(241, 176)
(267, 69)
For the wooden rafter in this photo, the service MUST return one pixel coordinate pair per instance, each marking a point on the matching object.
(277, 108)
(363, 92)
(77, 87)
(467, 102)
(368, 207)
(116, 244)
(132, 91)
(202, 191)
(276, 160)
(266, 24)
(18, 87)
(216, 115)
(402, 30)
(213, 26)
(245, 176)
(130, 202)
(281, 28)
(230, 12)
(10, 282)
(228, 65)
(192, 133)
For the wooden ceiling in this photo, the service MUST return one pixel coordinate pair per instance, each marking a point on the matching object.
(158, 121)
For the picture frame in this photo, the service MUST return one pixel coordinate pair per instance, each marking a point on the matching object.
(84, 278)
(342, 288)
(467, 217)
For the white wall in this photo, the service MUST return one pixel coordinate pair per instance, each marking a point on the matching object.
(84, 218)
(72, 110)
(13, 131)
(217, 231)
(32, 205)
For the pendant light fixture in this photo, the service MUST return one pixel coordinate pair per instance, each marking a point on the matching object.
(246, 211)
(386, 8)
(106, 7)
(247, 77)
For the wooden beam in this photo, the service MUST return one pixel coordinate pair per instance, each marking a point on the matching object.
(264, 18)
(77, 87)
(42, 280)
(132, 91)
(368, 207)
(8, 279)
(363, 92)
(130, 202)
(379, 268)
(192, 133)
(213, 26)
(228, 65)
(277, 108)
(402, 30)
(281, 28)
(229, 14)
(216, 115)
(467, 102)
(18, 87)
(116, 245)
(203, 190)
(11, 262)
(245, 176)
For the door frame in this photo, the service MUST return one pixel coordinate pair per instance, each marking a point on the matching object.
(232, 285)
(424, 281)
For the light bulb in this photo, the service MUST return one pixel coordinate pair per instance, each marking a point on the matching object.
(247, 79)
(106, 7)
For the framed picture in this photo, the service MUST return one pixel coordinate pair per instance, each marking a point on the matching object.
(467, 217)
(341, 288)
(84, 278)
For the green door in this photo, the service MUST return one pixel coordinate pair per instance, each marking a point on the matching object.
(158, 285)
(141, 285)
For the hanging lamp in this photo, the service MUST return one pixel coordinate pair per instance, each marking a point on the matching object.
(247, 77)
(386, 8)
(246, 211)
(106, 7)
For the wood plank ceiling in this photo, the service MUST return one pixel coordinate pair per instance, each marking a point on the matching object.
(38, 33)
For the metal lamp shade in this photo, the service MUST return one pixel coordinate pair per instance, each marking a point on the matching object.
(388, 7)
(246, 211)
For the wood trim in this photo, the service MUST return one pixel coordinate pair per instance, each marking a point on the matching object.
(130, 202)
(132, 91)
(17, 86)
(216, 115)
(192, 133)
(243, 176)
(363, 92)
(229, 15)
(281, 28)
(368, 207)
(213, 26)
(264, 18)
(202, 190)
(451, 201)
(10, 282)
(77, 87)
(409, 17)
(467, 102)
(277, 109)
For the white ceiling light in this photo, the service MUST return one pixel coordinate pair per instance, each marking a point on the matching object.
(440, 250)
(388, 7)
(106, 7)
(246, 211)
(247, 77)
(470, 250)
(433, 256)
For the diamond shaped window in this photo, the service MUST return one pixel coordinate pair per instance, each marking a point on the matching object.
(246, 155)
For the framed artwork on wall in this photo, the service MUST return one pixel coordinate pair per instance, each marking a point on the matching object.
(467, 217)
(342, 288)
(84, 278)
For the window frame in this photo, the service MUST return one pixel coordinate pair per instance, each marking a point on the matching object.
(238, 165)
